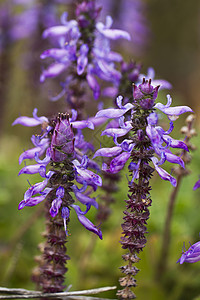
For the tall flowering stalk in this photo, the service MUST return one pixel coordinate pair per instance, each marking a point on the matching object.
(142, 141)
(64, 166)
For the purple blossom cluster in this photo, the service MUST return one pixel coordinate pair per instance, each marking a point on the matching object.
(82, 48)
(65, 167)
(144, 96)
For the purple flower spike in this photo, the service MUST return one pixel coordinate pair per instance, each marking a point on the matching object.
(197, 185)
(85, 222)
(192, 255)
(172, 112)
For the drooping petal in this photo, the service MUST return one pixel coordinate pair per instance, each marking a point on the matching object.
(84, 199)
(163, 174)
(30, 154)
(87, 223)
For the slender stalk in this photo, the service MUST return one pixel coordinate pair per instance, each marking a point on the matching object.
(162, 264)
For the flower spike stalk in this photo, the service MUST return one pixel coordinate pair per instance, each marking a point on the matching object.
(63, 165)
(142, 143)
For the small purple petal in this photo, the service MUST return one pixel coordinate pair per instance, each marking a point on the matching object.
(172, 112)
(116, 131)
(163, 174)
(87, 223)
(89, 175)
(53, 71)
(32, 169)
(174, 143)
(84, 199)
(30, 154)
(108, 152)
(82, 124)
(197, 185)
(31, 201)
(94, 85)
(114, 112)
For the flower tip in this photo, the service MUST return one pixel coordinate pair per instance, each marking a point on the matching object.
(173, 182)
(15, 122)
(42, 78)
(100, 235)
(21, 205)
(90, 125)
(20, 172)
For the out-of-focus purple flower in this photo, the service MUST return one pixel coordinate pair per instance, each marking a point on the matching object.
(55, 149)
(20, 19)
(191, 255)
(138, 27)
(88, 50)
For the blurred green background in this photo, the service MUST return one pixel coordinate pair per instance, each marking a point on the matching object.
(173, 50)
